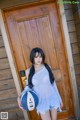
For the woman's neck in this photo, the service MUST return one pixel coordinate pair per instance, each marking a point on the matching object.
(37, 67)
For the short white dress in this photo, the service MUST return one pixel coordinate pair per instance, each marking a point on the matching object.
(49, 97)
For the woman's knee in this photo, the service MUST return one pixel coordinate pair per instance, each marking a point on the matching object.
(54, 114)
(46, 116)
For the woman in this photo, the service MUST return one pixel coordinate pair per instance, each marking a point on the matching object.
(41, 80)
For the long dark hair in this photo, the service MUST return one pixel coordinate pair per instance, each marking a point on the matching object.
(32, 69)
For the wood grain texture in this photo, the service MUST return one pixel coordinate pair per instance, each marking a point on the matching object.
(6, 84)
(10, 93)
(76, 59)
(73, 37)
(75, 48)
(69, 15)
(4, 63)
(5, 74)
(71, 26)
(2, 52)
(8, 104)
(1, 42)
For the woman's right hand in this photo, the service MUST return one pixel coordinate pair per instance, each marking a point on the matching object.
(19, 103)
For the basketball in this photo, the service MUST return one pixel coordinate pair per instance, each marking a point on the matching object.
(29, 100)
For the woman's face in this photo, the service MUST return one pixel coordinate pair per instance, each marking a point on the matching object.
(38, 59)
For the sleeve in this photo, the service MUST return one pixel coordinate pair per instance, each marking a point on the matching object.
(56, 89)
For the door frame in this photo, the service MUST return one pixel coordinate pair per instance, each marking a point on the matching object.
(70, 64)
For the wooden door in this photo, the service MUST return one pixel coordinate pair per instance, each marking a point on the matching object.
(39, 26)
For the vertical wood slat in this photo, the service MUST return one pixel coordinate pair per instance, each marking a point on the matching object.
(15, 42)
(45, 28)
(32, 30)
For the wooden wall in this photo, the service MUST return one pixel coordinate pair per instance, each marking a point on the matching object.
(76, 14)
(8, 94)
(73, 23)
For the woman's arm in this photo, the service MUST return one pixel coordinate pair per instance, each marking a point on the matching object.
(25, 89)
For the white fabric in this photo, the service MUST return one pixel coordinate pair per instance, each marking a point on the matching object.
(48, 94)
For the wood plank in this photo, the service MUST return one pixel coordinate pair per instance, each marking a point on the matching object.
(69, 14)
(78, 29)
(0, 32)
(67, 6)
(77, 69)
(78, 80)
(73, 37)
(17, 114)
(75, 48)
(71, 26)
(78, 37)
(14, 113)
(6, 94)
(1, 42)
(3, 52)
(7, 84)
(8, 4)
(76, 58)
(8, 104)
(5, 4)
(76, 17)
(44, 28)
(4, 63)
(5, 74)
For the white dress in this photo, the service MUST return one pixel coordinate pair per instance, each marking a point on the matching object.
(48, 94)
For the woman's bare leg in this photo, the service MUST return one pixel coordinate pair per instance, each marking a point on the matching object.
(46, 116)
(54, 114)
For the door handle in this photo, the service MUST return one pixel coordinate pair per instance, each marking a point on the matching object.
(23, 77)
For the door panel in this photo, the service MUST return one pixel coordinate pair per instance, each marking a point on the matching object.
(39, 26)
